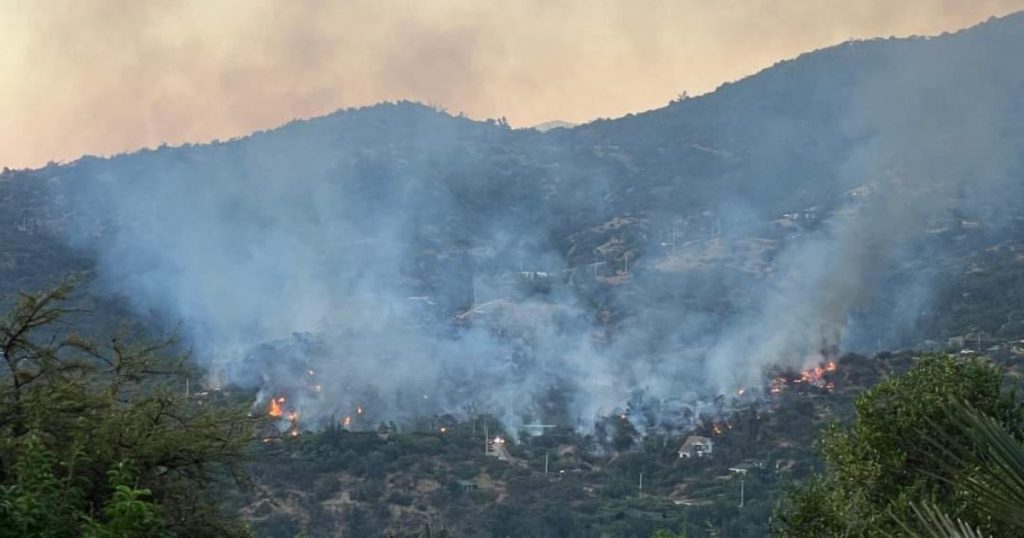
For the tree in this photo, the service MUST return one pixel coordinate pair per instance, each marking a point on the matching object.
(73, 409)
(129, 512)
(877, 467)
(994, 461)
(38, 503)
(43, 503)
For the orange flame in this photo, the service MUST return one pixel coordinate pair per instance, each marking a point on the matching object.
(816, 375)
(346, 422)
(812, 376)
(275, 408)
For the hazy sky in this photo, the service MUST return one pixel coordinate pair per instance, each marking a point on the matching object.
(101, 77)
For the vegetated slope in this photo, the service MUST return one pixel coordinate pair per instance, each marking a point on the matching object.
(435, 475)
(686, 213)
(787, 142)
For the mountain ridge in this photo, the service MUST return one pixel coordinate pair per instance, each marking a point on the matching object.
(813, 187)
(993, 24)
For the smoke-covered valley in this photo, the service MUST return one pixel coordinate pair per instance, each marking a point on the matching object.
(397, 261)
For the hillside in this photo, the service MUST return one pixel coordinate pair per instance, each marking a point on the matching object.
(398, 264)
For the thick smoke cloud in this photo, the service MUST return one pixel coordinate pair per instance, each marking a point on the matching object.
(395, 263)
(932, 151)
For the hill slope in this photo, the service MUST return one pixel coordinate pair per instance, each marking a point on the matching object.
(866, 194)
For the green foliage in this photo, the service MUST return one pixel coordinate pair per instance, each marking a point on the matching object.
(882, 463)
(73, 409)
(992, 464)
(812, 510)
(932, 523)
(130, 512)
(38, 503)
(47, 500)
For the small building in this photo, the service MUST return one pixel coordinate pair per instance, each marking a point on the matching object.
(468, 485)
(740, 469)
(747, 466)
(696, 446)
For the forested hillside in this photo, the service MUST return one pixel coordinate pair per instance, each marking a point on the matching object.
(384, 282)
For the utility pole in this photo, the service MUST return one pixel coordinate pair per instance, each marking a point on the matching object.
(641, 489)
(545, 464)
(187, 392)
(487, 438)
(742, 477)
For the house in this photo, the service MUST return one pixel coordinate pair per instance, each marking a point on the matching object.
(468, 485)
(696, 446)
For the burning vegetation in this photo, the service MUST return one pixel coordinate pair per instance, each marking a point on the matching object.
(275, 409)
(816, 376)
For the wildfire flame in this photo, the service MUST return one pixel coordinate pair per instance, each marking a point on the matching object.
(816, 375)
(812, 376)
(443, 429)
(275, 408)
(346, 422)
(359, 410)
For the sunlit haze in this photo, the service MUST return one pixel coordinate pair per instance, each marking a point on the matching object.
(104, 77)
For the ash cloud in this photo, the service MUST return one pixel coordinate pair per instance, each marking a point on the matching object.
(932, 150)
(395, 262)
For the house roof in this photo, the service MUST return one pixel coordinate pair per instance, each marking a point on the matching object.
(695, 440)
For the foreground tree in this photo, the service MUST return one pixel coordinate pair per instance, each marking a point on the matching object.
(100, 438)
(988, 462)
(886, 470)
